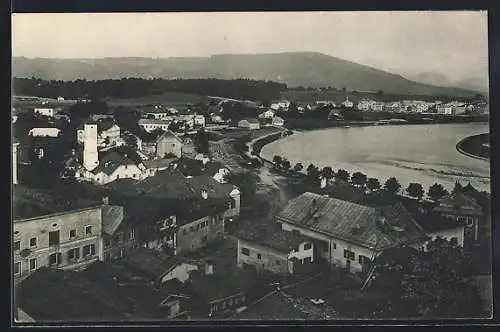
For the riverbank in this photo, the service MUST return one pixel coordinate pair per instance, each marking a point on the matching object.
(476, 146)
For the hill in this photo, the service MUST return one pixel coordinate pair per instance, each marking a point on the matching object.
(295, 69)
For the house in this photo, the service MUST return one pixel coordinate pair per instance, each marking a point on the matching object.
(158, 113)
(91, 295)
(119, 236)
(203, 166)
(363, 105)
(447, 228)
(155, 165)
(108, 130)
(444, 109)
(273, 250)
(44, 132)
(350, 235)
(150, 125)
(99, 117)
(199, 121)
(377, 106)
(347, 103)
(44, 111)
(157, 267)
(464, 209)
(216, 119)
(277, 121)
(113, 166)
(249, 124)
(68, 239)
(269, 114)
(168, 144)
(459, 110)
(60, 98)
(214, 294)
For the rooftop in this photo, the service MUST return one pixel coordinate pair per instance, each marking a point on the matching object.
(434, 222)
(58, 295)
(111, 161)
(154, 121)
(459, 201)
(105, 124)
(271, 236)
(33, 202)
(112, 217)
(274, 306)
(168, 135)
(213, 287)
(149, 262)
(159, 163)
(383, 227)
(172, 185)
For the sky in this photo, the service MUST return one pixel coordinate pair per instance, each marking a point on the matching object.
(454, 44)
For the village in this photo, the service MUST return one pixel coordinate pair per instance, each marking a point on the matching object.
(169, 213)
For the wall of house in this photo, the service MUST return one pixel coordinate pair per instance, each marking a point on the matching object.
(335, 255)
(39, 228)
(448, 234)
(44, 111)
(235, 209)
(198, 233)
(112, 133)
(122, 172)
(180, 272)
(270, 259)
(168, 145)
(120, 244)
(302, 253)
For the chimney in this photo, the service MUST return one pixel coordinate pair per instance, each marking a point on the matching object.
(105, 200)
(204, 194)
(209, 268)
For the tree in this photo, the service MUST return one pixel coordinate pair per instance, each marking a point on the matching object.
(380, 93)
(327, 173)
(277, 160)
(201, 141)
(438, 283)
(392, 185)
(285, 165)
(415, 190)
(457, 187)
(358, 178)
(373, 184)
(313, 175)
(436, 191)
(298, 167)
(342, 175)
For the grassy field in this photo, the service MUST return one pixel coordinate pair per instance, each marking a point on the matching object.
(171, 99)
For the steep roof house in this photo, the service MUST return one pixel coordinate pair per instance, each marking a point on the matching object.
(113, 166)
(350, 235)
(168, 144)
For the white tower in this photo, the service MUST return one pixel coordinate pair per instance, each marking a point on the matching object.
(14, 163)
(90, 155)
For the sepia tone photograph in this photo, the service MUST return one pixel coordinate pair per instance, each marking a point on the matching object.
(301, 166)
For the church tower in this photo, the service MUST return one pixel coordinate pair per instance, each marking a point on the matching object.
(90, 155)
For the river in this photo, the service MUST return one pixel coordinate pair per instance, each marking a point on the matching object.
(424, 154)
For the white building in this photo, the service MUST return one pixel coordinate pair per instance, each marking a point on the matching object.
(114, 167)
(249, 124)
(90, 154)
(268, 114)
(150, 125)
(44, 132)
(44, 111)
(347, 103)
(14, 163)
(445, 109)
(277, 121)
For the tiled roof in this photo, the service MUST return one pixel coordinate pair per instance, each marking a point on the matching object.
(58, 295)
(212, 287)
(153, 121)
(270, 236)
(352, 222)
(275, 306)
(159, 163)
(433, 222)
(147, 261)
(172, 185)
(460, 201)
(168, 135)
(110, 162)
(112, 217)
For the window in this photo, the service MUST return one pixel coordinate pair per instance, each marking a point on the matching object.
(245, 251)
(55, 258)
(107, 243)
(307, 246)
(334, 245)
(307, 260)
(349, 254)
(33, 242)
(259, 256)
(119, 237)
(192, 229)
(131, 234)
(233, 203)
(88, 230)
(72, 233)
(17, 268)
(74, 254)
(184, 232)
(33, 264)
(17, 245)
(363, 260)
(53, 238)
(117, 176)
(89, 250)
